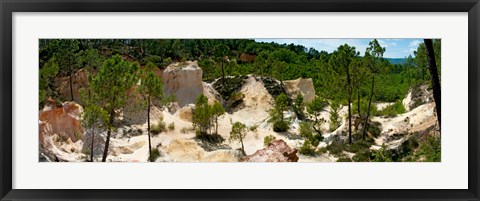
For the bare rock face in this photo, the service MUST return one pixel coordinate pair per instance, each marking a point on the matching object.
(300, 86)
(184, 81)
(63, 121)
(277, 151)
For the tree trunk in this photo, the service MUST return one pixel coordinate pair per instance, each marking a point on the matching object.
(434, 76)
(316, 130)
(109, 132)
(349, 116)
(349, 87)
(358, 102)
(91, 147)
(216, 124)
(243, 148)
(148, 131)
(71, 86)
(223, 74)
(365, 128)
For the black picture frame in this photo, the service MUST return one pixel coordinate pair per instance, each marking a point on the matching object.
(7, 7)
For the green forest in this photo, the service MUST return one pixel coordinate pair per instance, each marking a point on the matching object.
(348, 84)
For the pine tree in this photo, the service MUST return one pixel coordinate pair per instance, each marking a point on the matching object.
(151, 88)
(109, 89)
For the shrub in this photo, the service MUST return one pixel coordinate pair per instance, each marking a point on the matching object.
(267, 140)
(307, 148)
(358, 146)
(431, 149)
(156, 129)
(335, 148)
(364, 107)
(210, 138)
(393, 110)
(298, 106)
(322, 150)
(253, 128)
(334, 117)
(307, 133)
(171, 126)
(154, 155)
(232, 85)
(273, 87)
(382, 155)
(344, 159)
(374, 128)
(280, 126)
(362, 156)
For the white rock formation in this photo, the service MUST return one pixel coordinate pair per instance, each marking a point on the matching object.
(184, 81)
(301, 85)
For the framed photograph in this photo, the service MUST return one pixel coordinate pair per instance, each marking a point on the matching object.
(237, 100)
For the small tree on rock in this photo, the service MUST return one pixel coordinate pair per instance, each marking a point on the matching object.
(314, 108)
(238, 133)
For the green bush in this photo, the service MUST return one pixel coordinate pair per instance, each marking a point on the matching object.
(392, 110)
(374, 128)
(362, 156)
(171, 126)
(307, 148)
(344, 159)
(156, 129)
(210, 138)
(232, 85)
(267, 140)
(154, 155)
(431, 149)
(253, 128)
(322, 150)
(364, 107)
(307, 133)
(280, 126)
(334, 116)
(335, 148)
(382, 155)
(358, 146)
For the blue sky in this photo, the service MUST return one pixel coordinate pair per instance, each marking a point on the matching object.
(395, 48)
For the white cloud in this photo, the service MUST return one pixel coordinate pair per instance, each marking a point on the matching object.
(415, 43)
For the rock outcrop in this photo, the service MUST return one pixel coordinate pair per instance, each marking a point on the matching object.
(184, 81)
(277, 151)
(417, 96)
(63, 121)
(300, 86)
